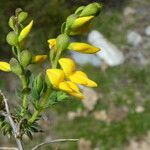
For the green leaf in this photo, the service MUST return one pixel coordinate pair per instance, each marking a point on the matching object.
(26, 91)
(57, 96)
(29, 134)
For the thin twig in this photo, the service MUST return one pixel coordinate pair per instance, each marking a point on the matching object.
(12, 123)
(54, 141)
(8, 148)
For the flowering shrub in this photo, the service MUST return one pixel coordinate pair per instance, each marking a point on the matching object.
(59, 82)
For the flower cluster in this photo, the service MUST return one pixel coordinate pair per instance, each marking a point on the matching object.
(67, 78)
(60, 80)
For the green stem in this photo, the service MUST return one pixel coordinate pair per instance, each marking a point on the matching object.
(43, 104)
(25, 95)
(54, 65)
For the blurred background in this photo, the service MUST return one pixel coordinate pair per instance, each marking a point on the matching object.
(114, 116)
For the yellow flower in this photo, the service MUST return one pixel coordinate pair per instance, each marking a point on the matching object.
(77, 46)
(78, 77)
(79, 22)
(56, 76)
(52, 43)
(71, 88)
(4, 66)
(81, 30)
(67, 65)
(39, 58)
(25, 31)
(83, 47)
(57, 79)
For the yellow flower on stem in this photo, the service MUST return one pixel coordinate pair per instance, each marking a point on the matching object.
(77, 46)
(83, 48)
(57, 79)
(4, 66)
(39, 58)
(25, 31)
(81, 21)
(77, 77)
(71, 88)
(52, 43)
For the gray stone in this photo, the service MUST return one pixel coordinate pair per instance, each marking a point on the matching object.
(128, 11)
(134, 38)
(147, 30)
(83, 59)
(109, 53)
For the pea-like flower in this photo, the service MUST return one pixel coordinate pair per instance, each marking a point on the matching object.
(57, 79)
(68, 78)
(25, 31)
(39, 58)
(4, 66)
(77, 46)
(83, 48)
(80, 22)
(52, 43)
(77, 77)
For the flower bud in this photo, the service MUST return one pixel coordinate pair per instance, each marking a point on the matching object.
(25, 31)
(83, 48)
(15, 66)
(62, 42)
(39, 58)
(22, 16)
(91, 10)
(11, 22)
(82, 21)
(12, 38)
(70, 20)
(38, 83)
(4, 66)
(81, 30)
(17, 11)
(25, 58)
(78, 10)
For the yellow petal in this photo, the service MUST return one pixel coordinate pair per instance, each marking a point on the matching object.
(81, 30)
(25, 31)
(80, 77)
(56, 76)
(81, 21)
(67, 65)
(4, 66)
(65, 87)
(39, 58)
(71, 88)
(79, 95)
(83, 47)
(52, 43)
(91, 83)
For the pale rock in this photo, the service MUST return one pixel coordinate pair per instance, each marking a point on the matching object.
(117, 114)
(71, 115)
(147, 30)
(100, 115)
(83, 59)
(109, 52)
(84, 144)
(90, 100)
(134, 38)
(128, 11)
(138, 145)
(139, 109)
